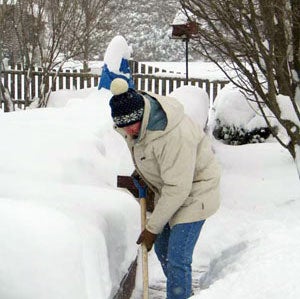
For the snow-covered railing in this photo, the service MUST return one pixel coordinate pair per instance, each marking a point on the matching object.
(147, 69)
(162, 81)
(146, 77)
(15, 80)
(164, 85)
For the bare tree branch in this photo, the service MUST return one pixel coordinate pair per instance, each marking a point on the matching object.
(261, 39)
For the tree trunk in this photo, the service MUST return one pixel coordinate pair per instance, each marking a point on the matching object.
(297, 159)
(295, 8)
(6, 98)
(28, 80)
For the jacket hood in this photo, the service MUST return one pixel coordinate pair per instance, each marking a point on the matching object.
(173, 110)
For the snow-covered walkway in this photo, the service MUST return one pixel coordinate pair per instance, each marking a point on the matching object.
(250, 248)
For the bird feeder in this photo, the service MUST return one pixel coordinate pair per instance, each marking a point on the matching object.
(185, 31)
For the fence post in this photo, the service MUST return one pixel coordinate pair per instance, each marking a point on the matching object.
(215, 90)
(133, 64)
(40, 80)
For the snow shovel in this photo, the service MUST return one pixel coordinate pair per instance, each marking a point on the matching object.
(144, 251)
(128, 183)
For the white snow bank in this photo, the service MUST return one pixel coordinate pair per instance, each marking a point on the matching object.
(195, 101)
(65, 231)
(65, 241)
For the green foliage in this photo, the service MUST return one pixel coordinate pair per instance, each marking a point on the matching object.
(233, 135)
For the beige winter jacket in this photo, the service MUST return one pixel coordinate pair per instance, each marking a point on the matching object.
(178, 164)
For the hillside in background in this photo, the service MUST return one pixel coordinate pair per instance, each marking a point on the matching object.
(146, 26)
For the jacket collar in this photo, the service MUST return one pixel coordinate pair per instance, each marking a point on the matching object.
(174, 113)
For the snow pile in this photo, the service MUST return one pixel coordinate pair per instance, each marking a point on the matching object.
(195, 101)
(61, 241)
(66, 232)
(65, 229)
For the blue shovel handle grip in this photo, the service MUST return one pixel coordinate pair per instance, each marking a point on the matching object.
(142, 190)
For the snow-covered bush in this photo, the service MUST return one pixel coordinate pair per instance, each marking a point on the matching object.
(236, 120)
(195, 101)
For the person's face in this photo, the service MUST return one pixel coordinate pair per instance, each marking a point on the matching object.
(133, 130)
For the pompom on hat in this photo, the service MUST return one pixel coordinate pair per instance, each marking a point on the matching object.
(127, 106)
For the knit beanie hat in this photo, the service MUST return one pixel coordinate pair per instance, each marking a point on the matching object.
(127, 106)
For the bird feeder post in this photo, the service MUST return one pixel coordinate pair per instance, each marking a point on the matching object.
(186, 61)
(184, 32)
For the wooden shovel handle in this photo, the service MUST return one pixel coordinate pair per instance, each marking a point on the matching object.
(144, 251)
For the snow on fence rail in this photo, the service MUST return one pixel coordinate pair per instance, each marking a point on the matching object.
(161, 81)
(143, 68)
(14, 80)
(145, 77)
(165, 85)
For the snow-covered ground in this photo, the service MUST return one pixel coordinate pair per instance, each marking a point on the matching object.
(66, 231)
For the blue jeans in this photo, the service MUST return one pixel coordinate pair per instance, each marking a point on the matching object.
(174, 249)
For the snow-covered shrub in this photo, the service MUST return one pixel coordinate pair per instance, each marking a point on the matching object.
(195, 101)
(236, 120)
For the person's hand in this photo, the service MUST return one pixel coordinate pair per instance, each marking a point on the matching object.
(142, 189)
(146, 238)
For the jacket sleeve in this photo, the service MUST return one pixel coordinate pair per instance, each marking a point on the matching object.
(176, 157)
